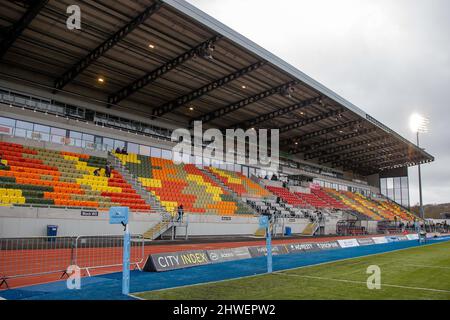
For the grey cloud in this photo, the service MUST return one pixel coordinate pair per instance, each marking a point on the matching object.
(390, 58)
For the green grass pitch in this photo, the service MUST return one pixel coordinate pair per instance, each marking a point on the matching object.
(416, 273)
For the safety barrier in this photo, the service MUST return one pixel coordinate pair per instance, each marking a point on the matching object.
(34, 256)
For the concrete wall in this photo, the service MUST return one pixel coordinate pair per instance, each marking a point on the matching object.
(28, 222)
(299, 189)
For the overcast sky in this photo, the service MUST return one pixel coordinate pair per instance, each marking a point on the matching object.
(389, 57)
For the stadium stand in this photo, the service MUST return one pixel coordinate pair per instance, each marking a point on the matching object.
(239, 183)
(36, 176)
(373, 209)
(312, 200)
(287, 196)
(182, 184)
(396, 210)
(332, 202)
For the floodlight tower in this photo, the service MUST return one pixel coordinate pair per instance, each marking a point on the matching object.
(419, 124)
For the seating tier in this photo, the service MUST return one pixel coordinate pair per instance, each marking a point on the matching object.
(239, 183)
(37, 176)
(182, 184)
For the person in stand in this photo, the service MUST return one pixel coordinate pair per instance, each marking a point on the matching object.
(2, 165)
(97, 172)
(118, 151)
(124, 151)
(108, 170)
(180, 213)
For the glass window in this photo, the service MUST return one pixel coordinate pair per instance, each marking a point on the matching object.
(21, 133)
(398, 195)
(75, 134)
(207, 162)
(41, 128)
(157, 153)
(118, 144)
(108, 144)
(397, 184)
(24, 125)
(132, 148)
(390, 183)
(7, 122)
(88, 137)
(166, 154)
(57, 139)
(144, 150)
(58, 132)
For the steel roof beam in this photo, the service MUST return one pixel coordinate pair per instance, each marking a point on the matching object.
(242, 103)
(327, 142)
(334, 150)
(374, 158)
(195, 94)
(319, 133)
(160, 71)
(34, 7)
(343, 158)
(250, 123)
(92, 56)
(311, 120)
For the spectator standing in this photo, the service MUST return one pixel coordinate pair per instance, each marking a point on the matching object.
(108, 170)
(180, 213)
(2, 165)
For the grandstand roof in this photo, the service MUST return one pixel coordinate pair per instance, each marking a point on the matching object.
(155, 60)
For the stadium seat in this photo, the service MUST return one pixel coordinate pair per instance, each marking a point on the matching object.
(182, 184)
(239, 183)
(36, 176)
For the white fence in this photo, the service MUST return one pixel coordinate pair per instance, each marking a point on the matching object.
(26, 257)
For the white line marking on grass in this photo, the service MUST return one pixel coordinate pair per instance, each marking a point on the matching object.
(288, 269)
(423, 266)
(360, 282)
(136, 297)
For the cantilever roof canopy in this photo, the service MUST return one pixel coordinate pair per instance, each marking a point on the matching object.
(169, 60)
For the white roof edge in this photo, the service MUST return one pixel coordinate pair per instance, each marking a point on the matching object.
(217, 26)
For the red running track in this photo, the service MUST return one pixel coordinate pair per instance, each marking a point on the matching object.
(54, 261)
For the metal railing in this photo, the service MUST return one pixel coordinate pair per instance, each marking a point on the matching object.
(37, 256)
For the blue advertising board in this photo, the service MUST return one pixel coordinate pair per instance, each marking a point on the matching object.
(118, 215)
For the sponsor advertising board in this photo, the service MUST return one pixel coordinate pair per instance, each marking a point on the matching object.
(217, 256)
(392, 239)
(413, 236)
(176, 260)
(301, 247)
(365, 241)
(328, 245)
(348, 243)
(379, 240)
(262, 251)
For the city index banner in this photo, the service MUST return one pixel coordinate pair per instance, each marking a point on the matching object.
(176, 260)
